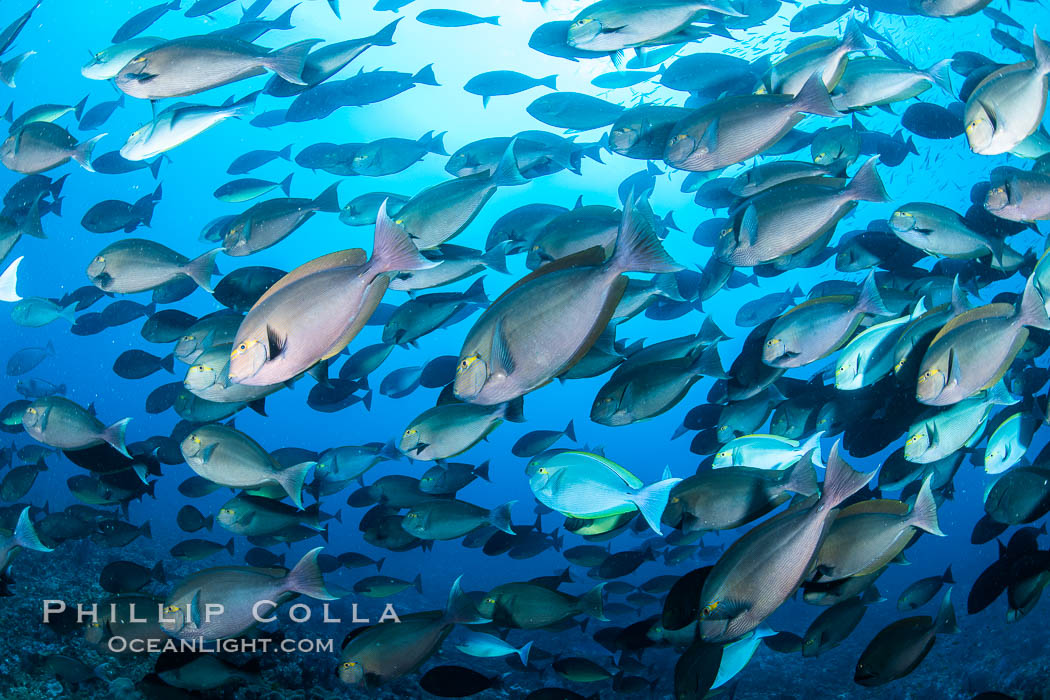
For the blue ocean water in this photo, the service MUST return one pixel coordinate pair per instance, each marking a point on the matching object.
(988, 654)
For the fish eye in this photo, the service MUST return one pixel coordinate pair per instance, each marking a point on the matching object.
(399, 221)
(467, 362)
(140, 59)
(99, 259)
(188, 337)
(32, 411)
(196, 439)
(411, 431)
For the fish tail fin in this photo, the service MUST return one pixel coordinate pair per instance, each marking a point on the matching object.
(708, 364)
(78, 109)
(434, 144)
(853, 38)
(288, 62)
(292, 480)
(592, 603)
(551, 81)
(507, 173)
(945, 623)
(201, 268)
(229, 548)
(417, 583)
(709, 333)
(940, 75)
(523, 653)
(841, 480)
(82, 153)
(1033, 310)
(475, 293)
(514, 410)
(286, 185)
(328, 201)
(1000, 395)
(285, 153)
(924, 512)
(637, 247)
(570, 431)
(25, 534)
(379, 564)
(385, 36)
(802, 478)
(482, 470)
(426, 76)
(393, 249)
(167, 363)
(491, 20)
(499, 517)
(947, 577)
(651, 501)
(869, 300)
(1042, 53)
(306, 578)
(114, 435)
(811, 448)
(460, 609)
(9, 281)
(813, 98)
(496, 259)
(866, 185)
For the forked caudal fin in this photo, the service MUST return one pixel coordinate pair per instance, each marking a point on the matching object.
(841, 480)
(651, 501)
(637, 247)
(393, 249)
(306, 578)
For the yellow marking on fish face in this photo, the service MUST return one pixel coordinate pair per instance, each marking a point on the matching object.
(410, 431)
(31, 411)
(584, 21)
(349, 664)
(897, 367)
(140, 59)
(913, 439)
(709, 609)
(466, 362)
(678, 138)
(226, 511)
(542, 470)
(675, 499)
(928, 374)
(399, 222)
(974, 124)
(100, 259)
(773, 342)
(723, 454)
(172, 609)
(243, 348)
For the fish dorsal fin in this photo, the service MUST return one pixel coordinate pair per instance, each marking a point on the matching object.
(986, 311)
(884, 506)
(630, 479)
(847, 299)
(343, 258)
(593, 256)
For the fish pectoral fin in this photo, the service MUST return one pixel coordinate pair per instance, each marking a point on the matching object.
(748, 227)
(612, 30)
(206, 453)
(247, 518)
(194, 610)
(43, 418)
(275, 343)
(421, 446)
(710, 137)
(503, 360)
